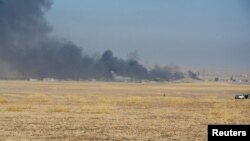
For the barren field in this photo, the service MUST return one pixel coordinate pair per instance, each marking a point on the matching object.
(118, 111)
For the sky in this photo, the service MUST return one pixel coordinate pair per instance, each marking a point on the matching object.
(190, 33)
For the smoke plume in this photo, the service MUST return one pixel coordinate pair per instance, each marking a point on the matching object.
(27, 50)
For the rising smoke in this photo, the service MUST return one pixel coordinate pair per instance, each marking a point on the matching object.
(27, 50)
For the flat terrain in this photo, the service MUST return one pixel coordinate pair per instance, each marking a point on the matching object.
(118, 111)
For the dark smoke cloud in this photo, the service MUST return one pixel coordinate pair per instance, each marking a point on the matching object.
(28, 51)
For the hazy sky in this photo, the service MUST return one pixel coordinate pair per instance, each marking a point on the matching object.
(195, 33)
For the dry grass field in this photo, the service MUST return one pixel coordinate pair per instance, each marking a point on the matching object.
(118, 111)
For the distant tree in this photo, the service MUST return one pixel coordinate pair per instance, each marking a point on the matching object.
(216, 79)
(232, 79)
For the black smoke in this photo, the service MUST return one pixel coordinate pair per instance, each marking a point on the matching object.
(27, 50)
(193, 75)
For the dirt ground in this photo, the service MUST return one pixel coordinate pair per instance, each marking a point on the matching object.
(118, 111)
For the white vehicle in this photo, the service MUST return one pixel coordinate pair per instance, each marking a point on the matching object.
(243, 96)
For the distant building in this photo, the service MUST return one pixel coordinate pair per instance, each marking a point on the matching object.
(50, 79)
(32, 79)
